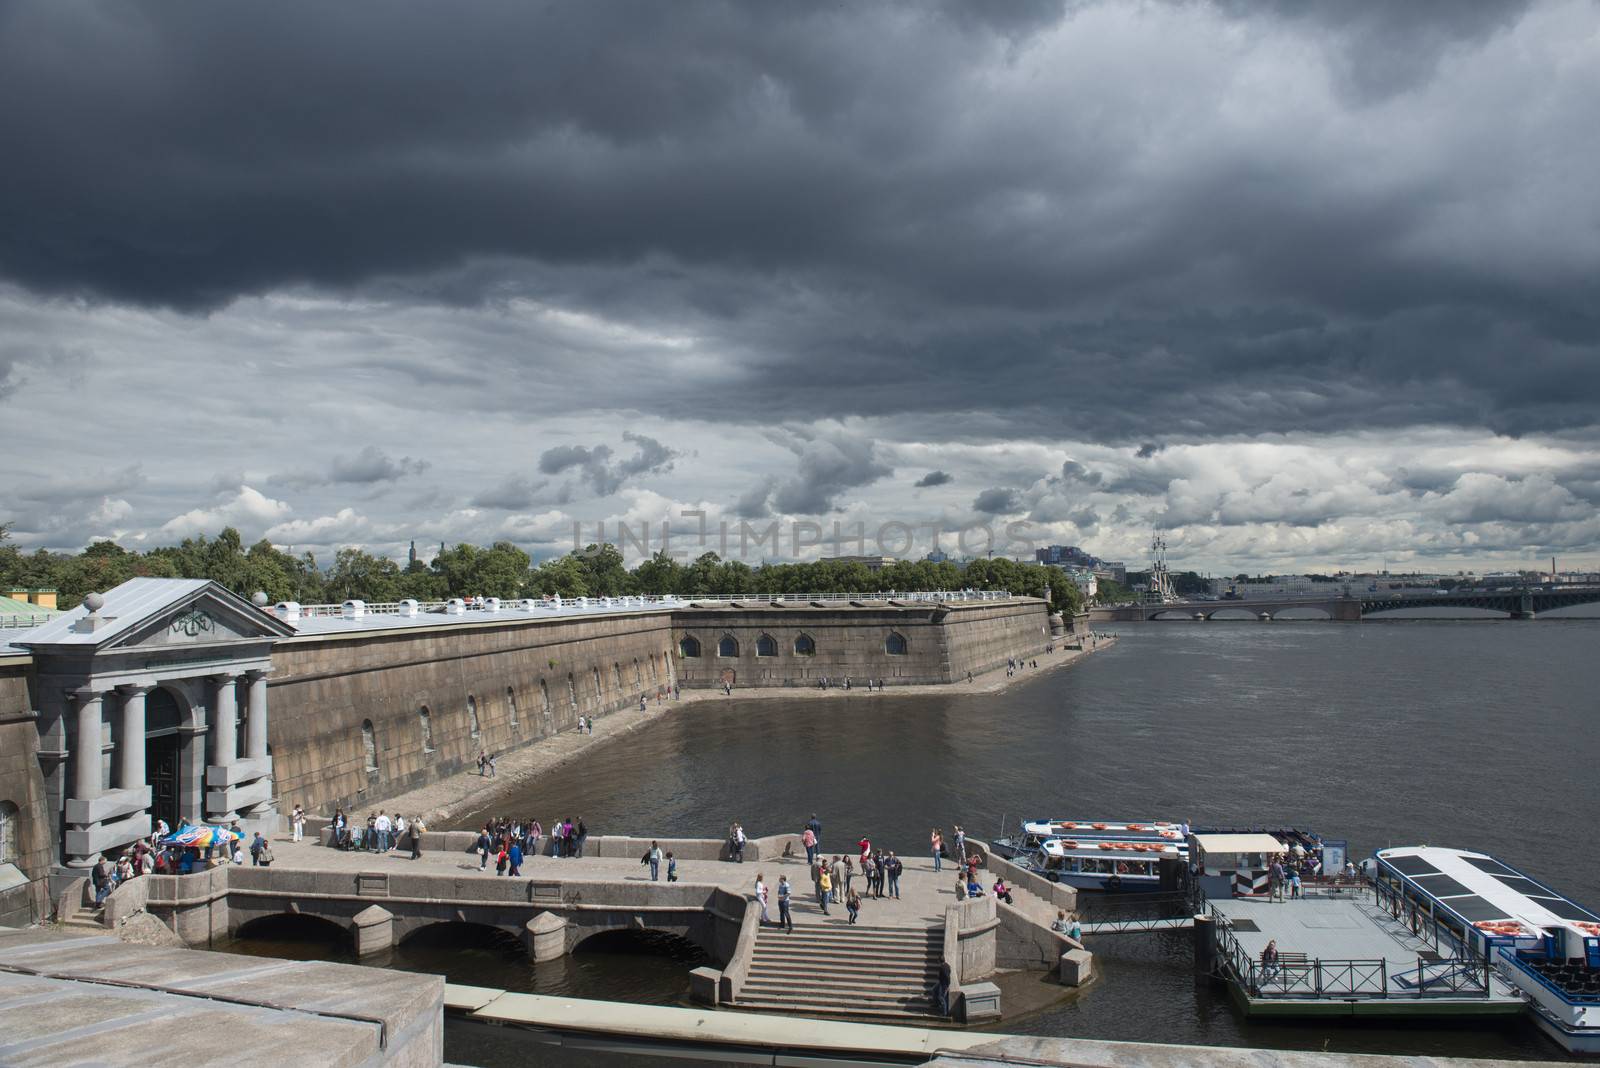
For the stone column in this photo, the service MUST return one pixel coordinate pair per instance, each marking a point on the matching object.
(130, 746)
(225, 713)
(224, 745)
(87, 757)
(256, 716)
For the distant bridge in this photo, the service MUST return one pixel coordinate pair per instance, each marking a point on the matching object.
(1518, 603)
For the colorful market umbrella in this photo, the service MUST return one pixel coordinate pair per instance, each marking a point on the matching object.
(202, 836)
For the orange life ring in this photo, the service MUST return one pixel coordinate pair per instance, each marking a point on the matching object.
(1107, 845)
(1069, 825)
(1069, 845)
(1135, 826)
(1098, 826)
(1169, 834)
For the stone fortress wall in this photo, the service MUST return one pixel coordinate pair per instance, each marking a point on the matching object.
(25, 842)
(363, 716)
(501, 685)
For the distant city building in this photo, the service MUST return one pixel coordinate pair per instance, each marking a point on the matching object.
(1110, 571)
(1064, 556)
(871, 563)
(937, 556)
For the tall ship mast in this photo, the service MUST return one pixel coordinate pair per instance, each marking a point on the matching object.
(1160, 588)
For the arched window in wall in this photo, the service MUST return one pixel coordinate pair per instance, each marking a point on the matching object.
(653, 669)
(638, 675)
(727, 646)
(369, 745)
(9, 830)
(472, 716)
(598, 692)
(689, 646)
(895, 644)
(427, 729)
(804, 646)
(544, 696)
(616, 675)
(766, 645)
(572, 691)
(511, 703)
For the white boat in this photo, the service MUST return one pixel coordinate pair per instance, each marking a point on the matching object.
(1119, 866)
(1539, 941)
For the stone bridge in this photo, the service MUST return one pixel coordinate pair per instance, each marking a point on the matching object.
(382, 908)
(1519, 603)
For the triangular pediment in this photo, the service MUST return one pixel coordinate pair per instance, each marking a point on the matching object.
(160, 613)
(206, 620)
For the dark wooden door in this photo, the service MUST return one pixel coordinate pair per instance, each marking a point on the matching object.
(161, 765)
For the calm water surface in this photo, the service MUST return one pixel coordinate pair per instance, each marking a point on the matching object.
(1472, 733)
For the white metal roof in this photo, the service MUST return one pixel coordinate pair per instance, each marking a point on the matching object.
(125, 607)
(1239, 843)
(1508, 899)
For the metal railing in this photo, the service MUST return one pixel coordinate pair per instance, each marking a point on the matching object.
(1507, 957)
(636, 602)
(1292, 977)
(24, 622)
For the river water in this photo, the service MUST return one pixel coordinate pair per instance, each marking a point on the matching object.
(1469, 733)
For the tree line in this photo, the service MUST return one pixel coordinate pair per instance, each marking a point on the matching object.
(500, 570)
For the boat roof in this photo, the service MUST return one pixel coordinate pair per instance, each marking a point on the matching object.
(1477, 887)
(1238, 843)
(1088, 828)
(1057, 847)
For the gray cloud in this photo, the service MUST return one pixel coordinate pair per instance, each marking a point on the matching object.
(999, 500)
(594, 465)
(512, 494)
(830, 462)
(372, 464)
(934, 478)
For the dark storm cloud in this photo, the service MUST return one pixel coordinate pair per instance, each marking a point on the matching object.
(998, 500)
(862, 210)
(934, 478)
(596, 467)
(830, 462)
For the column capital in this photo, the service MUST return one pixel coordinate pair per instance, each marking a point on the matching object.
(255, 674)
(135, 689)
(87, 693)
(223, 678)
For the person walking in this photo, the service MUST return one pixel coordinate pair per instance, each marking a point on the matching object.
(297, 824)
(1275, 880)
(416, 837)
(961, 844)
(501, 860)
(849, 875)
(936, 841)
(761, 898)
(514, 859)
(581, 833)
(672, 868)
(785, 918)
(836, 871)
(894, 869)
(484, 842)
(809, 840)
(852, 905)
(824, 887)
(652, 857)
(256, 845)
(738, 843)
(815, 826)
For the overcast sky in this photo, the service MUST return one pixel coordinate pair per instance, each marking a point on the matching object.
(1305, 286)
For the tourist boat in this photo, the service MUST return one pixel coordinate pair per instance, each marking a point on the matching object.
(1118, 866)
(1539, 941)
(1035, 833)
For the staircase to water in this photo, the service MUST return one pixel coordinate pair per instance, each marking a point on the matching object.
(879, 972)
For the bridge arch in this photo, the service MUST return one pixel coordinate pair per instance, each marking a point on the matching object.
(1174, 614)
(298, 927)
(1235, 613)
(1302, 612)
(457, 934)
(644, 941)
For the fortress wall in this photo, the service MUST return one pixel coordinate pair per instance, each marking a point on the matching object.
(324, 687)
(983, 635)
(22, 791)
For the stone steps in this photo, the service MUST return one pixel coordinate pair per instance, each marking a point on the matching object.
(839, 970)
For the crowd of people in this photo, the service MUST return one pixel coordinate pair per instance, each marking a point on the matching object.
(157, 855)
(509, 842)
(383, 833)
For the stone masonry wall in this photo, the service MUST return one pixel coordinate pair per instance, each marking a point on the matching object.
(941, 643)
(485, 686)
(23, 795)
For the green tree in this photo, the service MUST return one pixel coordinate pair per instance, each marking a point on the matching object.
(358, 575)
(562, 576)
